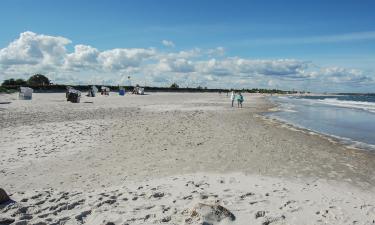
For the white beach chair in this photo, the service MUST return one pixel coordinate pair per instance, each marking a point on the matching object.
(26, 93)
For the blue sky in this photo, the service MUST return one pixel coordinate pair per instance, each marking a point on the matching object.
(320, 35)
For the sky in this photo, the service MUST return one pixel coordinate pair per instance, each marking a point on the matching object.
(319, 46)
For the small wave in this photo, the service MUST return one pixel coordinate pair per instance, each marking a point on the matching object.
(285, 107)
(367, 106)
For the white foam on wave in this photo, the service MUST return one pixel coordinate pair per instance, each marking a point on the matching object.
(367, 106)
(285, 107)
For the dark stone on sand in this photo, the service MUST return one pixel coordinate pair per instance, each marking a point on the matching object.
(214, 212)
(3, 196)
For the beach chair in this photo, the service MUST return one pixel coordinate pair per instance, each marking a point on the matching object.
(26, 93)
(73, 95)
(141, 91)
(105, 90)
(92, 92)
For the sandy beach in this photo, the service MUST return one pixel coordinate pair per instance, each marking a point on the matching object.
(173, 158)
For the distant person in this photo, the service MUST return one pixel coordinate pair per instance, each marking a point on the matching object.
(239, 100)
(232, 97)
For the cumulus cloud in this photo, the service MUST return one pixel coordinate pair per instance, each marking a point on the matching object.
(117, 59)
(31, 49)
(38, 53)
(249, 68)
(84, 56)
(343, 75)
(188, 54)
(179, 65)
(167, 43)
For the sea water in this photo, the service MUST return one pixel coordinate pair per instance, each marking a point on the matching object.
(349, 118)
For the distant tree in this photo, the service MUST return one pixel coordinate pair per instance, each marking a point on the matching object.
(38, 79)
(174, 85)
(20, 82)
(14, 82)
(8, 82)
(199, 87)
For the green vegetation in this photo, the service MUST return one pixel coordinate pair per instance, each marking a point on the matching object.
(35, 80)
(174, 86)
(6, 90)
(38, 79)
(12, 81)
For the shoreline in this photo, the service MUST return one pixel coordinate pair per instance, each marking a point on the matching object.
(346, 142)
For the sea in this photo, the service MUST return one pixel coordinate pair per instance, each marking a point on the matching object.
(349, 118)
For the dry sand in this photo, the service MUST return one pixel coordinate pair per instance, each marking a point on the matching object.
(152, 159)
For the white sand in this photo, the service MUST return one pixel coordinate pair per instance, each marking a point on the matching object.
(67, 163)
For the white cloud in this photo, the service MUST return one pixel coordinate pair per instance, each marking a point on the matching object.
(36, 53)
(343, 75)
(168, 43)
(249, 68)
(193, 53)
(179, 65)
(32, 49)
(84, 56)
(117, 59)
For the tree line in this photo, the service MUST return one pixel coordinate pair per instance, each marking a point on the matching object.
(34, 80)
(41, 82)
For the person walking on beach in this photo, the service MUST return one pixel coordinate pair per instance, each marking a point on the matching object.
(232, 97)
(239, 100)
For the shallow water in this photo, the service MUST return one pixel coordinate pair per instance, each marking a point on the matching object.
(348, 118)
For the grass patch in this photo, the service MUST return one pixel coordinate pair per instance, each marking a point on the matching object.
(7, 91)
